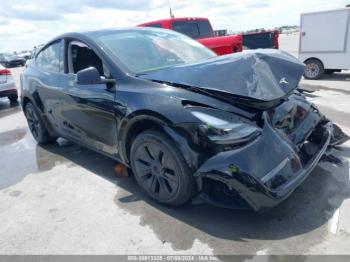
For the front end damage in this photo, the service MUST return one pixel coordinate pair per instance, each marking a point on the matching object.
(259, 150)
(267, 171)
(264, 172)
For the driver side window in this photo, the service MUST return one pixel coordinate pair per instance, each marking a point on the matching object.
(80, 57)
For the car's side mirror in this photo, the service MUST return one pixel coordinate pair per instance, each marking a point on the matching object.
(89, 76)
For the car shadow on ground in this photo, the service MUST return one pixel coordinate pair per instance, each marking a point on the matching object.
(336, 77)
(308, 209)
(7, 108)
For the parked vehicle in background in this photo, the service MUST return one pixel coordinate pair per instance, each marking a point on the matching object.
(266, 39)
(234, 129)
(7, 85)
(10, 60)
(324, 44)
(24, 54)
(200, 29)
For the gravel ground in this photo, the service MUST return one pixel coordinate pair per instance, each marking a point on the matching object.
(65, 199)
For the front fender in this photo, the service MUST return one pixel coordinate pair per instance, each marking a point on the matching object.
(179, 135)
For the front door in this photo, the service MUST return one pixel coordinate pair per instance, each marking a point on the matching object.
(88, 110)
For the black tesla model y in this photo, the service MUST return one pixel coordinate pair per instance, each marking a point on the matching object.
(235, 129)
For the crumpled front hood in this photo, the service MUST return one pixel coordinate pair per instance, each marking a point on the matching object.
(262, 74)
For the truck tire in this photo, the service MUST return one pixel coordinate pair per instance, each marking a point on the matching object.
(313, 69)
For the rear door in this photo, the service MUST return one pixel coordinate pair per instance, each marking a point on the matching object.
(45, 77)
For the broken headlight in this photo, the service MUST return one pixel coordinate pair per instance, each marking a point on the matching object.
(224, 128)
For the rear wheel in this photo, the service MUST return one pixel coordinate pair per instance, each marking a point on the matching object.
(313, 69)
(160, 169)
(36, 125)
(13, 98)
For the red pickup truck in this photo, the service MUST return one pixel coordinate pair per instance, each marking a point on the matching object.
(200, 28)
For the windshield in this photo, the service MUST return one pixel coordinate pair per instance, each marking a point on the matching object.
(141, 51)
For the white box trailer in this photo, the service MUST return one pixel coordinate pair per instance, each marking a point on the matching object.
(324, 44)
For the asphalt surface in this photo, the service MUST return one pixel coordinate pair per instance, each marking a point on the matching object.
(65, 199)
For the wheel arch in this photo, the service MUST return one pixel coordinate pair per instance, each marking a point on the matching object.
(313, 58)
(25, 101)
(136, 123)
(144, 120)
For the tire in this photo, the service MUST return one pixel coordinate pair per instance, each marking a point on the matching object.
(13, 98)
(160, 169)
(36, 125)
(313, 69)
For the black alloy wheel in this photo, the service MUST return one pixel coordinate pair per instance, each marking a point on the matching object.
(36, 126)
(160, 169)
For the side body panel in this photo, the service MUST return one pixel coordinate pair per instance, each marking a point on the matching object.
(87, 115)
(82, 113)
(224, 45)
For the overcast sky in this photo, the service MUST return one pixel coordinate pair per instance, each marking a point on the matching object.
(24, 23)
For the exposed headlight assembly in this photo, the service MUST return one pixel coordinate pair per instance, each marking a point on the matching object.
(223, 128)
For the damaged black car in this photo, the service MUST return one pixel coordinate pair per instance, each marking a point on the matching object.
(234, 129)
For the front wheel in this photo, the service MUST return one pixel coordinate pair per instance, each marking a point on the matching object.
(313, 69)
(36, 125)
(160, 169)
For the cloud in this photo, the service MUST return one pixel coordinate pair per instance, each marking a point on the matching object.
(24, 23)
(124, 5)
(38, 10)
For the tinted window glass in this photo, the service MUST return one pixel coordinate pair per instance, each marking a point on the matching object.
(83, 57)
(194, 29)
(155, 25)
(188, 28)
(205, 29)
(50, 59)
(254, 41)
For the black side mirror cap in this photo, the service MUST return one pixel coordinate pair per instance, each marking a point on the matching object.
(89, 76)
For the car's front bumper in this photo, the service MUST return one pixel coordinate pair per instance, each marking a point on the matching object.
(267, 171)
